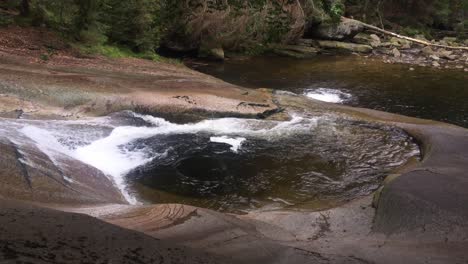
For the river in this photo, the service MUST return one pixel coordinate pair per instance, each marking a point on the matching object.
(357, 81)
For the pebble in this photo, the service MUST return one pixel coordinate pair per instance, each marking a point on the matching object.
(411, 69)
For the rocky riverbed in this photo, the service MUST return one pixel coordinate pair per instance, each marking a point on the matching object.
(349, 36)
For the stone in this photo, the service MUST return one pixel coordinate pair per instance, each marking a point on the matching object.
(435, 64)
(376, 41)
(351, 47)
(434, 57)
(427, 50)
(345, 29)
(295, 51)
(451, 41)
(446, 54)
(362, 38)
(401, 43)
(421, 37)
(305, 42)
(386, 44)
(411, 69)
(29, 174)
(216, 53)
(396, 53)
(372, 40)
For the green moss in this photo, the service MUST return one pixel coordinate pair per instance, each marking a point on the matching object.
(118, 52)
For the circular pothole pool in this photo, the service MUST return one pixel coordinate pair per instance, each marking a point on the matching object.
(228, 164)
(251, 164)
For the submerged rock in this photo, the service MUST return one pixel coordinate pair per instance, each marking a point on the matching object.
(346, 46)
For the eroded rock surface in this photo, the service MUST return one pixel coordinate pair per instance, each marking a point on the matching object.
(30, 234)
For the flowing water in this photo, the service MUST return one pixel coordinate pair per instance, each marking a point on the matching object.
(423, 92)
(227, 164)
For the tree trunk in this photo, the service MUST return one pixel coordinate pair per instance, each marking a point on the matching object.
(24, 8)
(422, 42)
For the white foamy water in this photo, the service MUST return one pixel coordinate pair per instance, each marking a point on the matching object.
(328, 95)
(234, 142)
(114, 154)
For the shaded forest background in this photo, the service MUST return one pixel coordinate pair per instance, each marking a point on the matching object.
(142, 26)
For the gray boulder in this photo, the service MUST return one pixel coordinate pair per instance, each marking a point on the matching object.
(345, 46)
(345, 29)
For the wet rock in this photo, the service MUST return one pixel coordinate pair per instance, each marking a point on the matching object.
(295, 51)
(435, 64)
(345, 46)
(434, 57)
(345, 29)
(26, 173)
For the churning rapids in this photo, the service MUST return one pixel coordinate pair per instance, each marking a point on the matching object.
(227, 164)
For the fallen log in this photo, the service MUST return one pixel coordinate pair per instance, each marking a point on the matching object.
(386, 32)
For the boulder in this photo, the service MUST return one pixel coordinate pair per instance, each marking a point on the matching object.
(345, 29)
(362, 38)
(427, 50)
(446, 54)
(372, 39)
(400, 43)
(396, 53)
(421, 37)
(29, 174)
(375, 40)
(211, 52)
(451, 41)
(351, 47)
(295, 51)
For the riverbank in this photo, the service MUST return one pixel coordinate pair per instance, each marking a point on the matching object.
(70, 86)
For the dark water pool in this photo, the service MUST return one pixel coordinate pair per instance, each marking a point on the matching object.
(423, 92)
(311, 163)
